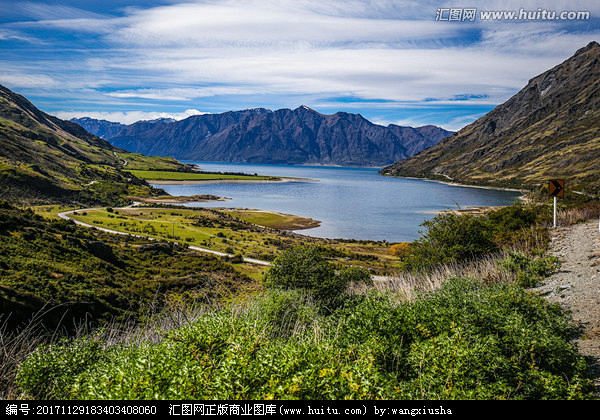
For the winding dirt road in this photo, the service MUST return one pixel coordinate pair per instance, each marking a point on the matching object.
(67, 216)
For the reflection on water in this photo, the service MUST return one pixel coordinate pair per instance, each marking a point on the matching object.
(351, 203)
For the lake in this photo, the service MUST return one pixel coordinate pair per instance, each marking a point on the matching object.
(351, 203)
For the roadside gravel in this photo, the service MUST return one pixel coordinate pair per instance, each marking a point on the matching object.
(576, 287)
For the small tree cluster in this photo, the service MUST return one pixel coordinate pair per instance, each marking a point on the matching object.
(304, 267)
(453, 237)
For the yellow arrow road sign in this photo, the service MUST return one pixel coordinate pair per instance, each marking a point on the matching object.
(556, 188)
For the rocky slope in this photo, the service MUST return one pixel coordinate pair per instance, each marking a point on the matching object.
(550, 129)
(46, 159)
(299, 136)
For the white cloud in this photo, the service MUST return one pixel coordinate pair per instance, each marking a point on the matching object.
(403, 75)
(24, 80)
(391, 50)
(302, 47)
(267, 24)
(176, 94)
(128, 117)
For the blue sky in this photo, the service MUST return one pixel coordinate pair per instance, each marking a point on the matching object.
(391, 61)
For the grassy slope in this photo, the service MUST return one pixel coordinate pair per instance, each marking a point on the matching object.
(49, 262)
(45, 159)
(550, 129)
(234, 233)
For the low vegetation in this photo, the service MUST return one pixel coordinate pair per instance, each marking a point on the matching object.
(465, 341)
(455, 322)
(250, 234)
(71, 273)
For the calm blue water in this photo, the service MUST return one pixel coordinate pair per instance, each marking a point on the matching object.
(351, 203)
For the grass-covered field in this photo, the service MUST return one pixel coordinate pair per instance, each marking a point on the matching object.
(243, 232)
(272, 219)
(139, 162)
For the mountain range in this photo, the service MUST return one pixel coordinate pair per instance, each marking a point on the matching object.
(549, 129)
(44, 158)
(259, 135)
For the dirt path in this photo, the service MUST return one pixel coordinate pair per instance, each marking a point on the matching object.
(576, 286)
(67, 216)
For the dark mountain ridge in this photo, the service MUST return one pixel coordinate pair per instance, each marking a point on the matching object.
(549, 129)
(259, 135)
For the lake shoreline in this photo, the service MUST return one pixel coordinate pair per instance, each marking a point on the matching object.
(224, 181)
(456, 184)
(350, 203)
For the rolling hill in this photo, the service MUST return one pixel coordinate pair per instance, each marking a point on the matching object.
(46, 159)
(550, 129)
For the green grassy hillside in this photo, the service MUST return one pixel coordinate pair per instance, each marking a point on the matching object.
(45, 159)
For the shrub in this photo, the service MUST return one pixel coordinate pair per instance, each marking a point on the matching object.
(511, 218)
(303, 267)
(49, 371)
(449, 238)
(463, 341)
(528, 270)
(399, 250)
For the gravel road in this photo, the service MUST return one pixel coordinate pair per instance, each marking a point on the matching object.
(576, 286)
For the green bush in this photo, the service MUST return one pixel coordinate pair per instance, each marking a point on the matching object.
(464, 341)
(512, 218)
(449, 238)
(529, 270)
(304, 267)
(49, 371)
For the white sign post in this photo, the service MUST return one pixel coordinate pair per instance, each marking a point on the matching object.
(556, 188)
(555, 211)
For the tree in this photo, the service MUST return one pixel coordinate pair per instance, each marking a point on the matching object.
(450, 238)
(303, 267)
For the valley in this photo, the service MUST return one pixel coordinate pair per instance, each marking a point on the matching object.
(127, 275)
(236, 234)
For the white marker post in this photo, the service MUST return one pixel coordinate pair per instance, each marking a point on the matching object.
(556, 188)
(555, 199)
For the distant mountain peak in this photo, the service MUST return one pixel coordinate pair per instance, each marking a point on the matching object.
(160, 120)
(306, 109)
(258, 135)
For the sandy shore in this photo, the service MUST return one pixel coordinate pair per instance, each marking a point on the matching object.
(456, 184)
(469, 210)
